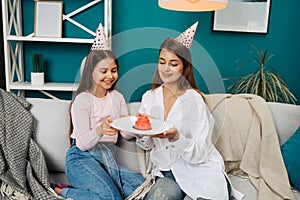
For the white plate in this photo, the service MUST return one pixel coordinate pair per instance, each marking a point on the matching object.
(126, 124)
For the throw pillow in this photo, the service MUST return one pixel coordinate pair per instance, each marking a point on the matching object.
(290, 153)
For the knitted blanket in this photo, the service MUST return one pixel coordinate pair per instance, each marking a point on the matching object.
(23, 170)
(246, 137)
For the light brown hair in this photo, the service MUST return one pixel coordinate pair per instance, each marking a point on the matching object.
(87, 82)
(187, 80)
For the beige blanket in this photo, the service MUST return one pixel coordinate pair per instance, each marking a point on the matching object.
(246, 137)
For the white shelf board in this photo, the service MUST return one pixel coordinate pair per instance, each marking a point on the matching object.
(48, 86)
(47, 39)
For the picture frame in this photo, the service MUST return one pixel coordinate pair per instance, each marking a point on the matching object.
(48, 19)
(250, 16)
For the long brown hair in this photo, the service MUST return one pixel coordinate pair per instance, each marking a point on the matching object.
(86, 81)
(187, 80)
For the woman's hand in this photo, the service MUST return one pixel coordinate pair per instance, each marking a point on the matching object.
(171, 134)
(106, 128)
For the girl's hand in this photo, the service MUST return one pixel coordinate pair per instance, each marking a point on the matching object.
(171, 134)
(106, 128)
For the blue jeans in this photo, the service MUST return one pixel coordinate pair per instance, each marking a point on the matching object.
(166, 188)
(95, 175)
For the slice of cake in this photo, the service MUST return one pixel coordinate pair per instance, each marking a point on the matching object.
(142, 123)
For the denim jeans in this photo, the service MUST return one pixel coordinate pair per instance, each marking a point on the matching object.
(166, 188)
(95, 175)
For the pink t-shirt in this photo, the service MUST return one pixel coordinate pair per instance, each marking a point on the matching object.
(88, 112)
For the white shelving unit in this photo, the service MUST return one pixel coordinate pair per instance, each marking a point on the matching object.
(13, 40)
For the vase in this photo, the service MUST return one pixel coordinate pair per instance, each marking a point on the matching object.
(37, 78)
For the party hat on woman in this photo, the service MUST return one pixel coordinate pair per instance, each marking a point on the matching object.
(100, 41)
(186, 38)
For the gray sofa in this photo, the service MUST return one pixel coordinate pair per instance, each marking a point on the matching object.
(53, 122)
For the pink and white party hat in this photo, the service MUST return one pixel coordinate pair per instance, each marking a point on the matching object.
(100, 41)
(186, 38)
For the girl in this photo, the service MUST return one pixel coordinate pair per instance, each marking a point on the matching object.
(90, 165)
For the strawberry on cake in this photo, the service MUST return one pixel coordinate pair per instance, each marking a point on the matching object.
(142, 123)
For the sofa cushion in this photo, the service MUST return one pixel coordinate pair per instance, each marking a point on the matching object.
(52, 125)
(244, 185)
(290, 152)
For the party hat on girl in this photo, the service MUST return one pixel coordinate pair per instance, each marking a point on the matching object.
(186, 38)
(100, 41)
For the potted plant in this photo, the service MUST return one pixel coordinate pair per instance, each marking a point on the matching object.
(265, 81)
(37, 74)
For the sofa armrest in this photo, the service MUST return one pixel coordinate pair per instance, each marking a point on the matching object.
(286, 118)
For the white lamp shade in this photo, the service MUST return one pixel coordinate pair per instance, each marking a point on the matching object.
(193, 5)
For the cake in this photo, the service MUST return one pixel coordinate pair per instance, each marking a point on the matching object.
(142, 123)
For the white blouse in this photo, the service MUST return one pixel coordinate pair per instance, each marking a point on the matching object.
(196, 164)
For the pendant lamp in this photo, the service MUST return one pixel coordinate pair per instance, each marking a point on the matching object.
(193, 5)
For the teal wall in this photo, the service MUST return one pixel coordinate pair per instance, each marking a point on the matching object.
(140, 26)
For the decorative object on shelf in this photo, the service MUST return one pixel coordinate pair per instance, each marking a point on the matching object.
(37, 74)
(251, 16)
(265, 81)
(193, 5)
(48, 19)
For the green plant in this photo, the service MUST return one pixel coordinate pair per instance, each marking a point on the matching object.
(37, 62)
(265, 81)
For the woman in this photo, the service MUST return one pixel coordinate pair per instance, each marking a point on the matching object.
(186, 163)
(90, 164)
